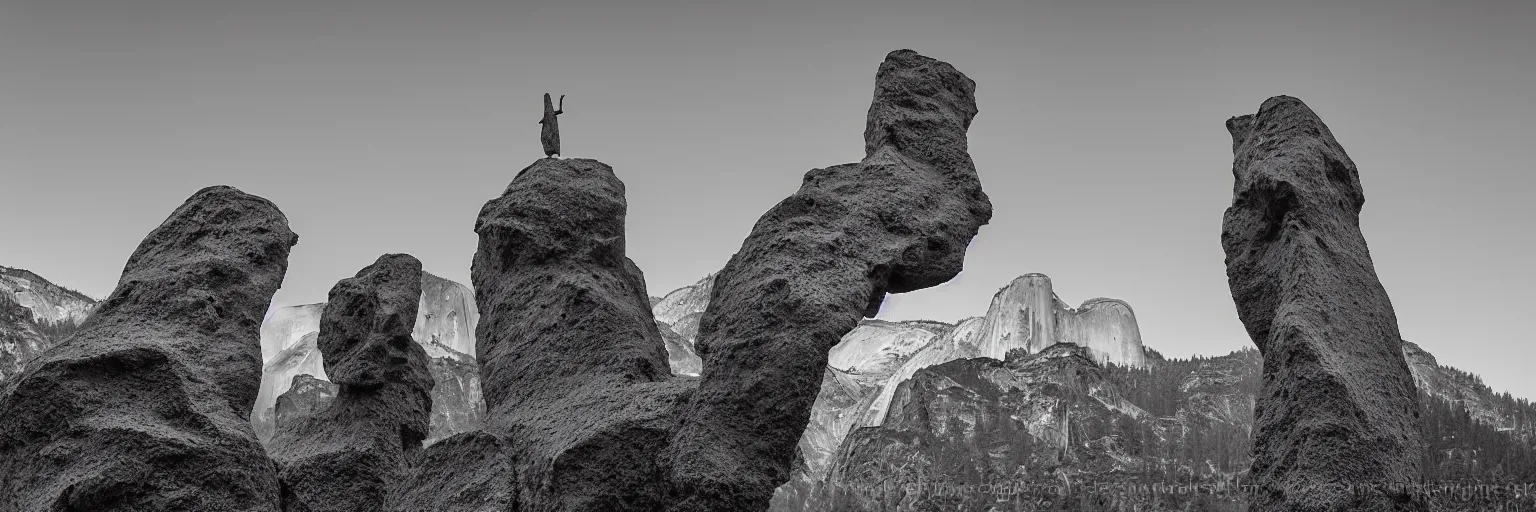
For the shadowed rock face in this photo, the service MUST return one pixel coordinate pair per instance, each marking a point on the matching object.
(579, 398)
(898, 221)
(306, 396)
(1338, 404)
(351, 454)
(145, 407)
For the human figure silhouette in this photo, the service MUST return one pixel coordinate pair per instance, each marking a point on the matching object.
(550, 135)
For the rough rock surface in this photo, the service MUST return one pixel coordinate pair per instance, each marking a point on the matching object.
(898, 221)
(579, 398)
(307, 396)
(350, 455)
(1338, 405)
(145, 407)
(446, 319)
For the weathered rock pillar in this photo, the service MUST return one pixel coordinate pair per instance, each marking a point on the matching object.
(1337, 411)
(898, 221)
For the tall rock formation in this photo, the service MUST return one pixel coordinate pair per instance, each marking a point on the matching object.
(35, 314)
(898, 221)
(144, 408)
(579, 398)
(1338, 405)
(351, 455)
(445, 323)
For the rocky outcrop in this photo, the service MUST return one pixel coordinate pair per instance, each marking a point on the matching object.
(1028, 315)
(445, 323)
(35, 314)
(351, 455)
(579, 398)
(1338, 405)
(1029, 422)
(144, 408)
(307, 396)
(898, 221)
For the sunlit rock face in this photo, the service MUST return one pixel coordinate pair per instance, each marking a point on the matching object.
(1028, 315)
(456, 402)
(293, 331)
(48, 303)
(447, 317)
(35, 314)
(677, 315)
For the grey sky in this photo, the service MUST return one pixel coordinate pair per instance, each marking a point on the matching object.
(381, 127)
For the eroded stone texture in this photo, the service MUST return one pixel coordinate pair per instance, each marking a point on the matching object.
(579, 398)
(145, 407)
(1338, 404)
(351, 455)
(898, 221)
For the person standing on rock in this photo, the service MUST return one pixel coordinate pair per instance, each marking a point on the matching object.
(550, 136)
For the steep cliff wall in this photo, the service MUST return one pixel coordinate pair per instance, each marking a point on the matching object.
(1028, 315)
(35, 314)
(447, 317)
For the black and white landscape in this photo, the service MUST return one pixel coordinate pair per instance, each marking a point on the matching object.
(1087, 257)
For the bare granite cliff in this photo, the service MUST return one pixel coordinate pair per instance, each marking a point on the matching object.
(35, 314)
(898, 221)
(145, 407)
(1338, 404)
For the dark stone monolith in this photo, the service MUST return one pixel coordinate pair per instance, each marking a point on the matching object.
(579, 397)
(145, 408)
(898, 221)
(352, 455)
(1336, 418)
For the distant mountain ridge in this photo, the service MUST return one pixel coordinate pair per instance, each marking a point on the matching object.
(35, 314)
